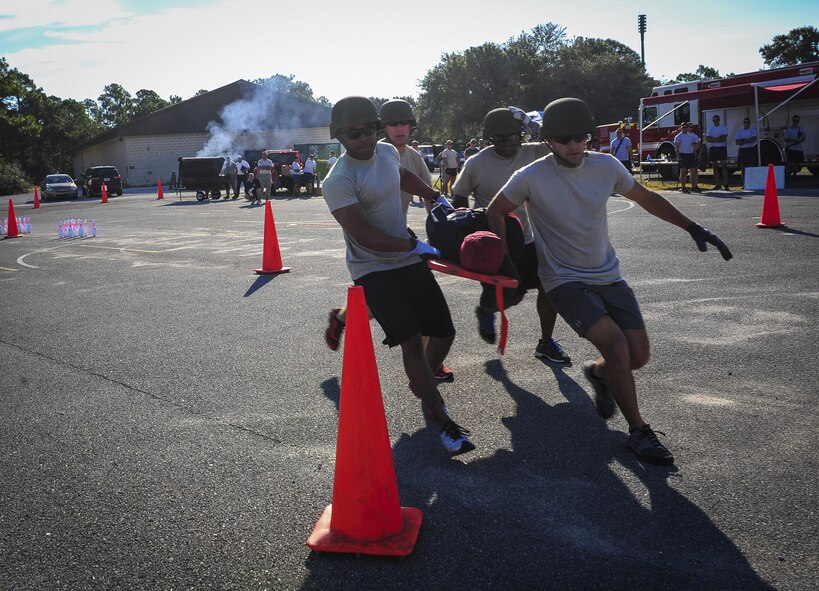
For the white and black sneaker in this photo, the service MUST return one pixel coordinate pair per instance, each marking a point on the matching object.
(455, 439)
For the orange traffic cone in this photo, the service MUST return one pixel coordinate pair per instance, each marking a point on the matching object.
(13, 231)
(366, 516)
(36, 198)
(104, 193)
(770, 206)
(159, 193)
(271, 257)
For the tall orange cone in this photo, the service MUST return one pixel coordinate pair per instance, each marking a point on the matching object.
(770, 206)
(159, 193)
(36, 198)
(104, 193)
(13, 231)
(271, 257)
(366, 516)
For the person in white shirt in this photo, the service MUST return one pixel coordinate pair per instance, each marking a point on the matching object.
(295, 170)
(449, 162)
(717, 138)
(621, 149)
(264, 172)
(687, 145)
(794, 137)
(309, 174)
(746, 139)
(331, 160)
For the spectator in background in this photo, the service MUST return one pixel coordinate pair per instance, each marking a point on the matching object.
(415, 146)
(172, 183)
(295, 171)
(331, 160)
(471, 149)
(242, 169)
(481, 144)
(253, 189)
(449, 162)
(687, 145)
(231, 174)
(746, 139)
(717, 138)
(309, 174)
(794, 137)
(621, 149)
(265, 171)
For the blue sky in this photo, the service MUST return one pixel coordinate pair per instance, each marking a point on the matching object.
(73, 48)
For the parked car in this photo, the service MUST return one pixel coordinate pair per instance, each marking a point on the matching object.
(429, 152)
(94, 177)
(58, 185)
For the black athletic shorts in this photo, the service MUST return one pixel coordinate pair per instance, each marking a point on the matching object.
(451, 171)
(688, 161)
(718, 153)
(581, 305)
(746, 156)
(407, 302)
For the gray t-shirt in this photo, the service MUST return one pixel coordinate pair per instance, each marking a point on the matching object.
(485, 173)
(567, 208)
(376, 185)
(414, 162)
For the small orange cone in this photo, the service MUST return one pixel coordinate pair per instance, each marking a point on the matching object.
(13, 231)
(104, 193)
(770, 206)
(36, 198)
(271, 257)
(159, 193)
(366, 516)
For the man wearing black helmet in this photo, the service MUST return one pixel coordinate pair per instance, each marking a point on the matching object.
(482, 177)
(363, 192)
(566, 194)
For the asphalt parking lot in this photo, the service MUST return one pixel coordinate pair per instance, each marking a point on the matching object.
(168, 417)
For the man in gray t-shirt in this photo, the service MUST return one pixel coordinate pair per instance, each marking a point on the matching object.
(482, 177)
(566, 194)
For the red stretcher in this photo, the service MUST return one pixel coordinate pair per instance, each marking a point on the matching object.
(499, 281)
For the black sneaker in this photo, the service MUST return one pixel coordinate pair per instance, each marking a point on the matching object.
(717, 187)
(602, 399)
(486, 325)
(696, 190)
(455, 439)
(643, 442)
(552, 351)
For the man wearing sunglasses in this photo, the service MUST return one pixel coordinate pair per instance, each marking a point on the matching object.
(566, 194)
(794, 137)
(482, 176)
(363, 192)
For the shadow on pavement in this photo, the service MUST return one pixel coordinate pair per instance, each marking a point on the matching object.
(561, 510)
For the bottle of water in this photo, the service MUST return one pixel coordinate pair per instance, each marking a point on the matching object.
(93, 227)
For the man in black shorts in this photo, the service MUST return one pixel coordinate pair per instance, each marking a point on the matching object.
(687, 145)
(566, 194)
(363, 192)
(717, 138)
(746, 139)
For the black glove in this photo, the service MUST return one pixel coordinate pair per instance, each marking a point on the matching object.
(701, 236)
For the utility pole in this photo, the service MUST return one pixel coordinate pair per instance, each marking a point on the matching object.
(641, 26)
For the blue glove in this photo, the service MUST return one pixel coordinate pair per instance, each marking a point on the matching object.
(704, 237)
(425, 251)
(443, 201)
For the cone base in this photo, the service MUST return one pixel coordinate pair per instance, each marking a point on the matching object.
(271, 272)
(401, 543)
(761, 225)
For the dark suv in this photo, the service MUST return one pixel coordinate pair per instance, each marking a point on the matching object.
(93, 178)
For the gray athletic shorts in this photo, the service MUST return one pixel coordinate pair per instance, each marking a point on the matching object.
(581, 305)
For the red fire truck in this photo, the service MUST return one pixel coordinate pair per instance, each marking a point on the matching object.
(768, 97)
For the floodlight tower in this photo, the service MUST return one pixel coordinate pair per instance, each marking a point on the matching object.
(641, 26)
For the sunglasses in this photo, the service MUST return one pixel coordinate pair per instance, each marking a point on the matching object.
(578, 138)
(498, 138)
(398, 123)
(354, 134)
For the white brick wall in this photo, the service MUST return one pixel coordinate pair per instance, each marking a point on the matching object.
(141, 160)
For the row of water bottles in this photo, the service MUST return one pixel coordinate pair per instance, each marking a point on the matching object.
(23, 225)
(77, 228)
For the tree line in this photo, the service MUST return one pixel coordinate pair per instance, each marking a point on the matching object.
(37, 131)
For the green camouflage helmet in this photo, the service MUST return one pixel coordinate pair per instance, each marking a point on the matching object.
(351, 110)
(566, 116)
(397, 110)
(500, 122)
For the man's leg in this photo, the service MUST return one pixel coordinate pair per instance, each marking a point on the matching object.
(683, 174)
(547, 315)
(622, 352)
(695, 178)
(421, 379)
